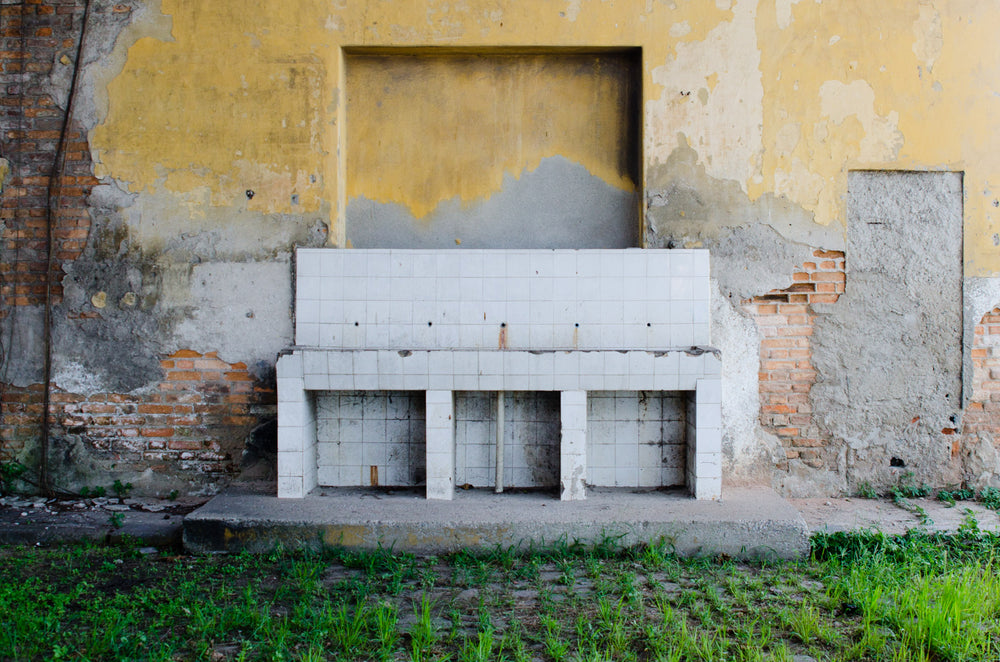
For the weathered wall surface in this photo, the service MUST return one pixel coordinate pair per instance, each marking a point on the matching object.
(210, 139)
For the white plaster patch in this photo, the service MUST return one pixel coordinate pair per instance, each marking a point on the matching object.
(882, 140)
(572, 9)
(928, 37)
(799, 183)
(787, 139)
(73, 377)
(783, 10)
(738, 338)
(680, 29)
(726, 131)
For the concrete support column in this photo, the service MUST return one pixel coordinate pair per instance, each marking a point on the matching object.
(573, 445)
(297, 465)
(440, 445)
(704, 441)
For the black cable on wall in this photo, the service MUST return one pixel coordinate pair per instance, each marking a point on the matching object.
(53, 198)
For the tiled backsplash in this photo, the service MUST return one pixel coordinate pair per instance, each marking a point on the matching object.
(495, 299)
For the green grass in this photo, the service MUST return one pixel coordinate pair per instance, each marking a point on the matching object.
(862, 596)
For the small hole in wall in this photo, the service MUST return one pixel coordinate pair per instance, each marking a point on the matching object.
(355, 324)
(577, 325)
(503, 325)
(430, 324)
(896, 462)
(648, 324)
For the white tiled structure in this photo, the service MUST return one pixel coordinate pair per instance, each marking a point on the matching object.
(440, 321)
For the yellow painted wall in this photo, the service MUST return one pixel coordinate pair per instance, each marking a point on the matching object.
(779, 96)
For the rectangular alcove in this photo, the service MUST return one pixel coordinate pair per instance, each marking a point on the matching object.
(492, 148)
(531, 439)
(637, 438)
(371, 438)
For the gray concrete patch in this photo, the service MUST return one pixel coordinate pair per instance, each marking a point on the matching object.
(557, 205)
(889, 353)
(747, 523)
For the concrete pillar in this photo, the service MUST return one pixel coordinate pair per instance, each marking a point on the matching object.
(705, 440)
(440, 445)
(297, 465)
(573, 446)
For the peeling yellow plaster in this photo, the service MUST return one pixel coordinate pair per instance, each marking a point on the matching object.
(246, 95)
(906, 86)
(724, 127)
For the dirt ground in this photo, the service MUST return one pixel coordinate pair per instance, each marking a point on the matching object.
(846, 514)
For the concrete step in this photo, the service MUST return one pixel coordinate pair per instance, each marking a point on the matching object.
(746, 523)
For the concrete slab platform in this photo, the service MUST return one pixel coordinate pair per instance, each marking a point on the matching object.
(746, 523)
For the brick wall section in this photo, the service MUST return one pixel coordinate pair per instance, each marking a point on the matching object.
(785, 318)
(983, 411)
(36, 36)
(196, 421)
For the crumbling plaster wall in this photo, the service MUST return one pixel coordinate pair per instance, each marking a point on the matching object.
(217, 131)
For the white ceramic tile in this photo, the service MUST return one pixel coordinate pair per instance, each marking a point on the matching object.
(307, 262)
(289, 366)
(681, 312)
(541, 336)
(416, 363)
(307, 335)
(701, 266)
(341, 381)
(290, 464)
(317, 382)
(682, 335)
(564, 263)
(682, 265)
(681, 288)
(541, 263)
(390, 381)
(709, 391)
(290, 487)
(634, 264)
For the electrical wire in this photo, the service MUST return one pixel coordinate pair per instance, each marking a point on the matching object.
(53, 199)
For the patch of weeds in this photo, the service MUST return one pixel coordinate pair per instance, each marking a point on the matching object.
(969, 525)
(116, 520)
(949, 497)
(95, 492)
(908, 489)
(423, 633)
(990, 497)
(866, 491)
(10, 471)
(121, 490)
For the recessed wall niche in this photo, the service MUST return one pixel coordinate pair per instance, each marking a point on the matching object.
(496, 148)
